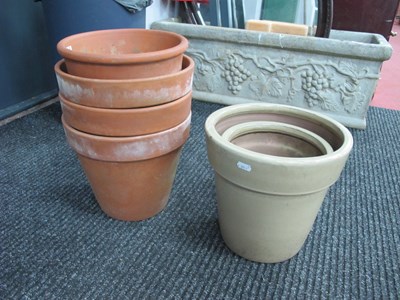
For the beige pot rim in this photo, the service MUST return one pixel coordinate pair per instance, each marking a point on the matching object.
(239, 109)
(64, 45)
(275, 174)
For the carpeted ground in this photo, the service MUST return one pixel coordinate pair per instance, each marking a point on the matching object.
(55, 242)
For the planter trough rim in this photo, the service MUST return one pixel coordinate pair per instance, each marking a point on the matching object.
(340, 42)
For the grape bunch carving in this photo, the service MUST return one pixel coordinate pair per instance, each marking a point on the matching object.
(314, 83)
(235, 73)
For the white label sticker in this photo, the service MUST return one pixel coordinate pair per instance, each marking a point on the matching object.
(243, 166)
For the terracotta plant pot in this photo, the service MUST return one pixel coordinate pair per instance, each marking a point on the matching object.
(131, 177)
(126, 122)
(123, 53)
(131, 93)
(267, 203)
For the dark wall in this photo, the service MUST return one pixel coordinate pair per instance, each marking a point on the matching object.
(29, 32)
(67, 17)
(26, 71)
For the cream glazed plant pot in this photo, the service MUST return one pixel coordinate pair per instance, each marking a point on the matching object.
(268, 198)
(336, 76)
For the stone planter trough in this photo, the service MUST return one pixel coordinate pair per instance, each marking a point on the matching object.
(335, 76)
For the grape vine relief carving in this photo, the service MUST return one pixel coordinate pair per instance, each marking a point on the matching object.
(328, 85)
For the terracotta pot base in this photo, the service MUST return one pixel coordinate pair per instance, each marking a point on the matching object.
(131, 177)
(132, 191)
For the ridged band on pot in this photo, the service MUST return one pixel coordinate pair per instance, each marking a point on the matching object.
(126, 122)
(128, 93)
(332, 131)
(124, 149)
(123, 53)
(314, 144)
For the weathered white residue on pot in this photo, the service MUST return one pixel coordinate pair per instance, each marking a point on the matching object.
(73, 91)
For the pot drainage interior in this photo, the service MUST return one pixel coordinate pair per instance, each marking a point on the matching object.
(277, 144)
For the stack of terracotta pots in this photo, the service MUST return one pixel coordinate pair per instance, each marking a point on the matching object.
(126, 101)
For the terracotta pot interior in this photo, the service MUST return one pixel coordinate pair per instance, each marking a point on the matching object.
(334, 137)
(121, 43)
(277, 144)
(63, 69)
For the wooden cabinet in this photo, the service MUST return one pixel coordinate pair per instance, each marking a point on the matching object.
(376, 16)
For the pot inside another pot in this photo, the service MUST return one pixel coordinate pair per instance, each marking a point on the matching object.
(273, 166)
(278, 139)
(224, 155)
(284, 114)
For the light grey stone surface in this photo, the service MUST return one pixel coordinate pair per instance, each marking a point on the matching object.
(335, 76)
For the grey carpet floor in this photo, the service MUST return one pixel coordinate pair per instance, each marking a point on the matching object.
(55, 242)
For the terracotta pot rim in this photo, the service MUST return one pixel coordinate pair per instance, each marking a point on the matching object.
(125, 149)
(276, 127)
(239, 109)
(122, 58)
(124, 138)
(133, 111)
(188, 68)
